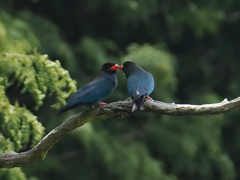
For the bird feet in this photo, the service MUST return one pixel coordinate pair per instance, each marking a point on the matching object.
(102, 103)
(148, 97)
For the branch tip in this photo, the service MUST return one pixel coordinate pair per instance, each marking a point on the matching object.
(225, 100)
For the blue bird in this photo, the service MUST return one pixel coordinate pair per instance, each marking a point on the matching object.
(95, 91)
(140, 84)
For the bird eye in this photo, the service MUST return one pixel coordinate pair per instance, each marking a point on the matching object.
(107, 66)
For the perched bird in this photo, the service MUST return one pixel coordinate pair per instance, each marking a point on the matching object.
(95, 91)
(140, 84)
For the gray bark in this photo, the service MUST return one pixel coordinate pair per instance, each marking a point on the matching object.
(119, 109)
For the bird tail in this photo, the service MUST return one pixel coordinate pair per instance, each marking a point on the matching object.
(64, 109)
(138, 104)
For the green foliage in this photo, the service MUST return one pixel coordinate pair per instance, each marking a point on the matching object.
(37, 75)
(87, 45)
(58, 48)
(15, 35)
(12, 174)
(50, 76)
(118, 155)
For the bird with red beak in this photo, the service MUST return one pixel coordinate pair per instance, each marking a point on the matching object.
(95, 91)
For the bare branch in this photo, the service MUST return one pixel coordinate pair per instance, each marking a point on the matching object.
(119, 109)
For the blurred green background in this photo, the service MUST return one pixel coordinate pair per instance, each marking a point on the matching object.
(192, 48)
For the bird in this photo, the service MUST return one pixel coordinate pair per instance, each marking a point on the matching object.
(140, 84)
(95, 91)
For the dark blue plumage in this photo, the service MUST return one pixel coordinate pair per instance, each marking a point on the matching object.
(95, 91)
(140, 84)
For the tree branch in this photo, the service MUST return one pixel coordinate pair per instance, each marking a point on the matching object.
(119, 109)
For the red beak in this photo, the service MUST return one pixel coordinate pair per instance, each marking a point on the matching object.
(120, 69)
(115, 67)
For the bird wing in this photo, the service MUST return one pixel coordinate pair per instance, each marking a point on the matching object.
(140, 84)
(97, 90)
(82, 96)
(150, 86)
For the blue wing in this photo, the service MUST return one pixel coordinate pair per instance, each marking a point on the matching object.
(95, 91)
(140, 84)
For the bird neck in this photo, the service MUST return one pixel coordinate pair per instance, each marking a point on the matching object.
(109, 72)
(133, 70)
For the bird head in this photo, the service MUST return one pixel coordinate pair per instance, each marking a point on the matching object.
(110, 66)
(127, 65)
(128, 68)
